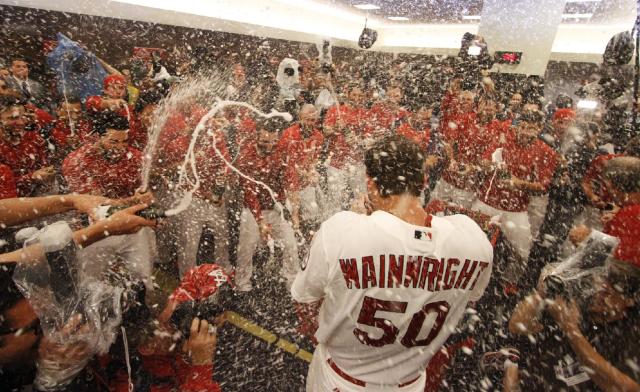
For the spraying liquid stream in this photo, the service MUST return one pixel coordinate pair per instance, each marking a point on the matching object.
(189, 163)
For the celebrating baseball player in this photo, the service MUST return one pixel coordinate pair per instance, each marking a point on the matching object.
(381, 293)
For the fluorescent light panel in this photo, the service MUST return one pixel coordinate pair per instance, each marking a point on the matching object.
(367, 6)
(576, 16)
(471, 17)
(583, 1)
(587, 104)
(397, 18)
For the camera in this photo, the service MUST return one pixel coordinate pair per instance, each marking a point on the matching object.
(207, 309)
(572, 277)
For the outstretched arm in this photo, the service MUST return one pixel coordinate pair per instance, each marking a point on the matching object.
(23, 209)
(603, 373)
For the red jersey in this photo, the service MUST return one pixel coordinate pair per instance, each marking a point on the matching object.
(270, 169)
(421, 138)
(383, 120)
(626, 226)
(301, 154)
(344, 120)
(462, 133)
(24, 158)
(8, 187)
(175, 136)
(535, 162)
(200, 283)
(64, 142)
(137, 135)
(354, 118)
(87, 170)
(494, 132)
(594, 176)
(448, 108)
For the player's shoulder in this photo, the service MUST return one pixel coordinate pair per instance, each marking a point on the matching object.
(466, 230)
(343, 219)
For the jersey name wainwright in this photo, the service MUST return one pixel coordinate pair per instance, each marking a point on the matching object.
(395, 271)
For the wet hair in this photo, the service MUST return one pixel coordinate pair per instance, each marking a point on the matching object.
(151, 96)
(18, 58)
(272, 124)
(632, 148)
(8, 101)
(532, 116)
(110, 120)
(396, 165)
(624, 173)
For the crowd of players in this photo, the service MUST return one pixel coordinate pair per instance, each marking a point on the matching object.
(545, 175)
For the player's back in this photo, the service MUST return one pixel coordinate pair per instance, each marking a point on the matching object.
(393, 292)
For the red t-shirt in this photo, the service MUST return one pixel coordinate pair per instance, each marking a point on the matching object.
(535, 162)
(8, 187)
(137, 135)
(421, 138)
(86, 170)
(24, 158)
(462, 133)
(353, 122)
(64, 142)
(383, 120)
(354, 118)
(449, 108)
(626, 226)
(269, 169)
(494, 132)
(594, 176)
(301, 155)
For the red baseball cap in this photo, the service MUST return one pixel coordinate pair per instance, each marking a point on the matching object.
(564, 114)
(113, 79)
(200, 282)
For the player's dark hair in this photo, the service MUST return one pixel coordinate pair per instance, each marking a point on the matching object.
(532, 116)
(632, 148)
(624, 173)
(9, 101)
(18, 58)
(272, 124)
(110, 120)
(396, 165)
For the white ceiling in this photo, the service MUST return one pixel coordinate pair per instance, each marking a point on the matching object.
(313, 20)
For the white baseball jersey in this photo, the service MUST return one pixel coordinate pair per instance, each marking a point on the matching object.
(393, 292)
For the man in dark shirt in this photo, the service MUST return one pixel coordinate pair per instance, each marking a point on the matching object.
(586, 344)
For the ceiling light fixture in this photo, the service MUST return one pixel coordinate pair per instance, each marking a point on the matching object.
(471, 17)
(367, 6)
(588, 104)
(397, 18)
(576, 16)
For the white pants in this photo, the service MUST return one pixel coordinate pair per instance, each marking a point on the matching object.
(514, 225)
(537, 209)
(452, 194)
(322, 378)
(200, 213)
(282, 233)
(135, 252)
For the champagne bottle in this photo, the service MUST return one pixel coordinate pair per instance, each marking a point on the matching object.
(150, 213)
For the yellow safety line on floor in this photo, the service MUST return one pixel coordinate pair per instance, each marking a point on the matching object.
(269, 337)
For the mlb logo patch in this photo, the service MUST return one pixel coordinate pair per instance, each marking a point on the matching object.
(423, 235)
